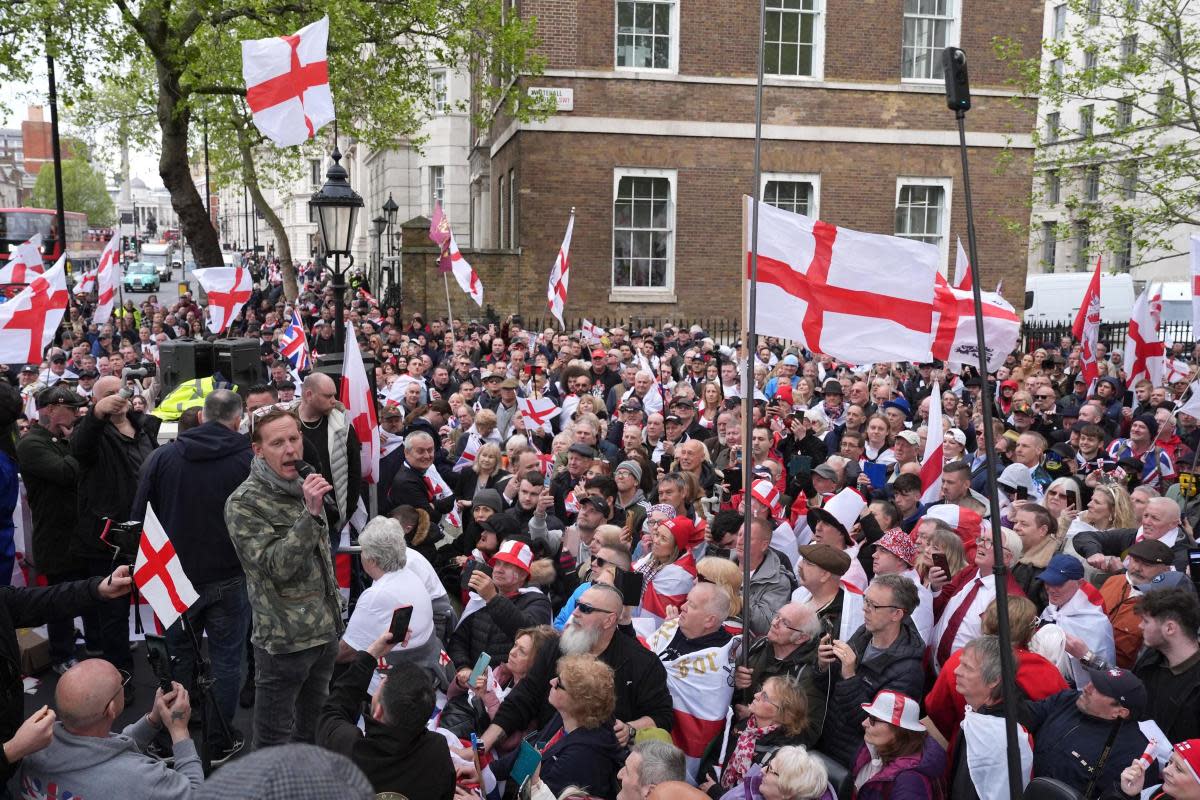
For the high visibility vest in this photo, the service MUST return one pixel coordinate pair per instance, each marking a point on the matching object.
(189, 394)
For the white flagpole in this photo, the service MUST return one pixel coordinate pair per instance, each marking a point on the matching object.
(449, 313)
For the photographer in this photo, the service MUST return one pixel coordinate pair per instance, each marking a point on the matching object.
(110, 443)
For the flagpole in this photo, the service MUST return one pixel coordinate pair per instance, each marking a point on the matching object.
(954, 64)
(750, 343)
(449, 313)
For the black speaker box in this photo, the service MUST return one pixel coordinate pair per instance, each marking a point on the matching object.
(239, 361)
(183, 360)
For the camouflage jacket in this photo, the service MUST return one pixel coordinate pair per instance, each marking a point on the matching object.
(289, 569)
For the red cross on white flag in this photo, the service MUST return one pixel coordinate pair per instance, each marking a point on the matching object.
(594, 333)
(935, 454)
(108, 280)
(360, 406)
(859, 297)
(1144, 351)
(29, 320)
(158, 574)
(538, 411)
(287, 84)
(228, 289)
(962, 269)
(24, 262)
(560, 274)
(955, 341)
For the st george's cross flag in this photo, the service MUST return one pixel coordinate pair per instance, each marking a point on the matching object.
(1087, 330)
(538, 411)
(560, 275)
(955, 341)
(108, 279)
(594, 333)
(438, 489)
(287, 84)
(360, 406)
(1144, 350)
(29, 320)
(158, 574)
(962, 269)
(228, 289)
(859, 297)
(451, 259)
(931, 464)
(24, 262)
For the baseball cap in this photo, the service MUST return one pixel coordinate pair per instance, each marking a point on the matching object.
(1062, 568)
(29, 369)
(1122, 686)
(59, 396)
(682, 402)
(673, 418)
(909, 436)
(86, 374)
(505, 526)
(791, 360)
(1022, 408)
(1168, 580)
(515, 552)
(509, 383)
(595, 502)
(389, 411)
(1151, 551)
(631, 404)
(826, 557)
(491, 376)
(682, 529)
(598, 354)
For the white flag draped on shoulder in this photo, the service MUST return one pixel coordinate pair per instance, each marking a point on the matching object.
(228, 289)
(287, 84)
(158, 574)
(29, 320)
(859, 297)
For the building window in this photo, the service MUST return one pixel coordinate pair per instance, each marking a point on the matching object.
(1087, 115)
(1049, 245)
(1093, 13)
(1083, 243)
(437, 80)
(795, 193)
(1090, 61)
(929, 27)
(437, 186)
(923, 211)
(1123, 246)
(1129, 47)
(1091, 184)
(1124, 116)
(1052, 127)
(1053, 188)
(1129, 180)
(646, 34)
(1056, 68)
(1166, 104)
(314, 171)
(502, 198)
(312, 213)
(512, 208)
(793, 38)
(1060, 21)
(643, 230)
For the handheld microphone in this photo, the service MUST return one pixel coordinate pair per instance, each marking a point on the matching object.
(304, 469)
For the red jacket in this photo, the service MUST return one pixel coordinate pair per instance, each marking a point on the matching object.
(1037, 677)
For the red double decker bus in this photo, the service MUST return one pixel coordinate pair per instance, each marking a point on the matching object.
(83, 246)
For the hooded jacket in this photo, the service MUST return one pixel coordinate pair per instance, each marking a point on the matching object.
(404, 757)
(897, 668)
(586, 757)
(914, 777)
(88, 766)
(187, 483)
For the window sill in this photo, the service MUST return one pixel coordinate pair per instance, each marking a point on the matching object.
(631, 295)
(636, 71)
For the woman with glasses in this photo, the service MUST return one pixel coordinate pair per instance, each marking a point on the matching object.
(898, 759)
(778, 718)
(1064, 501)
(578, 745)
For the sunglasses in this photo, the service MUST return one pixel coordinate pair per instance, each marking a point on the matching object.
(588, 608)
(557, 683)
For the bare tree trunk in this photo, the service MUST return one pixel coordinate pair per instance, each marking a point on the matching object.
(173, 167)
(250, 178)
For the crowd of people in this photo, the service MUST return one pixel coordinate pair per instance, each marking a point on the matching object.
(572, 576)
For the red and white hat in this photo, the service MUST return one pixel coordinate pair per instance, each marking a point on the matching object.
(899, 544)
(1189, 751)
(766, 493)
(898, 709)
(517, 553)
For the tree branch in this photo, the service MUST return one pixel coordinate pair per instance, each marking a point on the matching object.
(236, 91)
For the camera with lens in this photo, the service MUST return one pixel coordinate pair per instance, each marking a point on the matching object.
(134, 372)
(123, 539)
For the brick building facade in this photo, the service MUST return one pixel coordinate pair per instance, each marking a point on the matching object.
(655, 145)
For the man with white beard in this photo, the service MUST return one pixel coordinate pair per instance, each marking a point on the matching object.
(640, 681)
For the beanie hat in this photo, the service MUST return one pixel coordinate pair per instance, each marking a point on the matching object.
(1189, 751)
(682, 529)
(1150, 422)
(633, 467)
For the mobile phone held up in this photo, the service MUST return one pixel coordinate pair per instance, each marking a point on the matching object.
(401, 618)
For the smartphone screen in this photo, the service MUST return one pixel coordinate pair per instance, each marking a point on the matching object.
(1194, 563)
(941, 562)
(400, 619)
(481, 664)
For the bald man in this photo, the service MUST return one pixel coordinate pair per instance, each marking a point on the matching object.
(331, 446)
(1104, 550)
(110, 442)
(86, 759)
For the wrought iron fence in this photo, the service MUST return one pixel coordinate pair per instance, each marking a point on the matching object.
(722, 330)
(1112, 334)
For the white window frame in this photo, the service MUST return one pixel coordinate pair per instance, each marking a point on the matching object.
(953, 36)
(443, 105)
(315, 177)
(436, 170)
(818, 59)
(635, 294)
(1058, 12)
(673, 50)
(795, 177)
(947, 185)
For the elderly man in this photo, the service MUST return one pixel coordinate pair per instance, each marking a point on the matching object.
(1028, 452)
(409, 487)
(640, 681)
(643, 390)
(885, 653)
(691, 457)
(580, 456)
(1072, 608)
(1160, 522)
(331, 446)
(86, 759)
(771, 583)
(788, 650)
(277, 523)
(650, 763)
(1144, 561)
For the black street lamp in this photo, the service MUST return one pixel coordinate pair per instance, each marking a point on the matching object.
(389, 210)
(337, 207)
(380, 224)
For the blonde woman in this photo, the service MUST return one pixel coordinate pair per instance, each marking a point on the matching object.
(712, 399)
(1064, 501)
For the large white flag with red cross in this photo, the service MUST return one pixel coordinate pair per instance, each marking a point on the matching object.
(108, 280)
(1144, 350)
(560, 275)
(859, 297)
(955, 341)
(1195, 283)
(228, 289)
(935, 453)
(29, 320)
(538, 411)
(158, 574)
(287, 84)
(24, 262)
(360, 406)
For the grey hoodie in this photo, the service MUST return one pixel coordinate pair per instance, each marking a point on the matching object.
(90, 767)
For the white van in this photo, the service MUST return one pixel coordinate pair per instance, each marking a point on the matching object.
(160, 256)
(1177, 310)
(1056, 298)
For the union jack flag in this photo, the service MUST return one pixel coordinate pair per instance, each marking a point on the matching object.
(295, 345)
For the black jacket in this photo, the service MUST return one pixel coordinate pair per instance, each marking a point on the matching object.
(187, 483)
(28, 608)
(51, 476)
(801, 666)
(405, 757)
(898, 668)
(1174, 697)
(408, 488)
(639, 680)
(586, 757)
(492, 628)
(109, 466)
(1116, 541)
